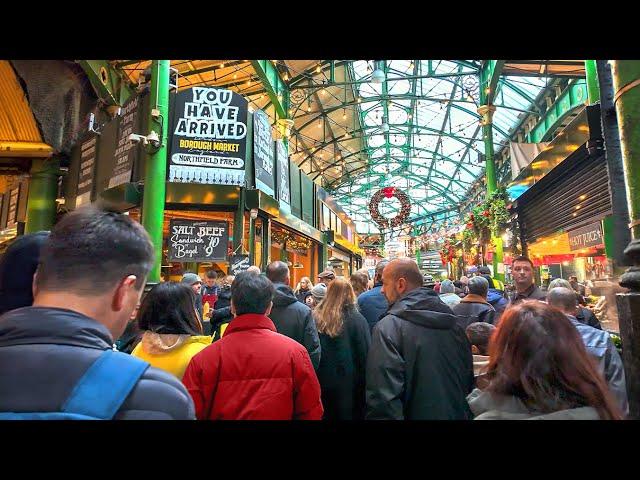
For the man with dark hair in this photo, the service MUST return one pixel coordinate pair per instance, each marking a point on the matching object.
(479, 334)
(290, 316)
(372, 303)
(475, 306)
(419, 365)
(578, 287)
(253, 372)
(89, 280)
(522, 271)
(597, 342)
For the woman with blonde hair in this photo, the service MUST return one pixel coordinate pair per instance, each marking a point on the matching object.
(303, 289)
(344, 339)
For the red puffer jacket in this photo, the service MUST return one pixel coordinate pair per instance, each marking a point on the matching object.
(253, 373)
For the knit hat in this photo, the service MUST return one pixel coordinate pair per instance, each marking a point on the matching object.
(191, 278)
(319, 292)
(17, 266)
(447, 287)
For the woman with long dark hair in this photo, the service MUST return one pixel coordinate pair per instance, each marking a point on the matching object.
(344, 339)
(540, 369)
(173, 332)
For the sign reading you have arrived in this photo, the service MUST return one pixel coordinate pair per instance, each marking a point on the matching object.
(209, 137)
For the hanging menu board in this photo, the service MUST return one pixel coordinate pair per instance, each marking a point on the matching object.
(126, 151)
(195, 241)
(12, 215)
(263, 152)
(238, 263)
(209, 137)
(87, 171)
(282, 157)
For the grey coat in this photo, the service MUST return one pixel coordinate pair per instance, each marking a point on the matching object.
(600, 345)
(45, 351)
(488, 406)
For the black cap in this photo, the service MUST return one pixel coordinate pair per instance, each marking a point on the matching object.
(17, 266)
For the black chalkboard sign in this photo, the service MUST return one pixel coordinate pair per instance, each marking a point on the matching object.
(239, 263)
(263, 152)
(88, 150)
(284, 194)
(126, 152)
(197, 241)
(208, 137)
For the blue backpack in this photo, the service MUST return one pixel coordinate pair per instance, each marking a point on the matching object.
(100, 392)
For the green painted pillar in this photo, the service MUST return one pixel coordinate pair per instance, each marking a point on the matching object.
(492, 182)
(626, 87)
(252, 241)
(156, 162)
(593, 87)
(238, 224)
(324, 253)
(43, 190)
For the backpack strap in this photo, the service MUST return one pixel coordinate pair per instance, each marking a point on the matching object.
(105, 385)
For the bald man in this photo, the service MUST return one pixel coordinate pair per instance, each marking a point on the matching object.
(597, 342)
(419, 365)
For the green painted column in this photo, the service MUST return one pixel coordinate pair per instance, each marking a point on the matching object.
(252, 241)
(593, 87)
(43, 190)
(626, 86)
(492, 182)
(324, 253)
(238, 224)
(156, 162)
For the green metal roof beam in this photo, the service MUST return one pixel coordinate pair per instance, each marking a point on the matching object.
(275, 86)
(110, 84)
(489, 75)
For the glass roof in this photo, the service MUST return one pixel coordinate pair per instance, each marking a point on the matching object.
(432, 146)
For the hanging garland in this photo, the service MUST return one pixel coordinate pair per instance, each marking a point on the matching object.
(388, 192)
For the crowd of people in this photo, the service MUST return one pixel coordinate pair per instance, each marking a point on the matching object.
(79, 340)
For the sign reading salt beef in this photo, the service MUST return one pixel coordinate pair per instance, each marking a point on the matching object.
(208, 137)
(239, 263)
(126, 152)
(196, 241)
(263, 153)
(589, 236)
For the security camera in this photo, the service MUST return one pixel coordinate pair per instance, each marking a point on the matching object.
(153, 139)
(135, 138)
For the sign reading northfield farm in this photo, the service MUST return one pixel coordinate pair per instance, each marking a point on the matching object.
(209, 137)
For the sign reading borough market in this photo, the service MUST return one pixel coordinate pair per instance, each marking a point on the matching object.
(195, 241)
(589, 236)
(209, 137)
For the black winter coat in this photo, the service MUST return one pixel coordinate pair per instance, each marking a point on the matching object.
(420, 365)
(224, 298)
(294, 320)
(342, 369)
(45, 351)
(475, 312)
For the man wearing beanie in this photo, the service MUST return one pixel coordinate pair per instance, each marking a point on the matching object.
(318, 292)
(17, 267)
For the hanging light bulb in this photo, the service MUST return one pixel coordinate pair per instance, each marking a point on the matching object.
(221, 65)
(378, 75)
(286, 77)
(344, 114)
(235, 75)
(385, 125)
(318, 70)
(308, 108)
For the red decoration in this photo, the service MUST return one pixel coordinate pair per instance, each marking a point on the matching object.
(389, 191)
(486, 213)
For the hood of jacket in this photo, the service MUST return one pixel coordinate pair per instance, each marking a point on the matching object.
(283, 296)
(31, 325)
(159, 343)
(490, 406)
(423, 306)
(494, 295)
